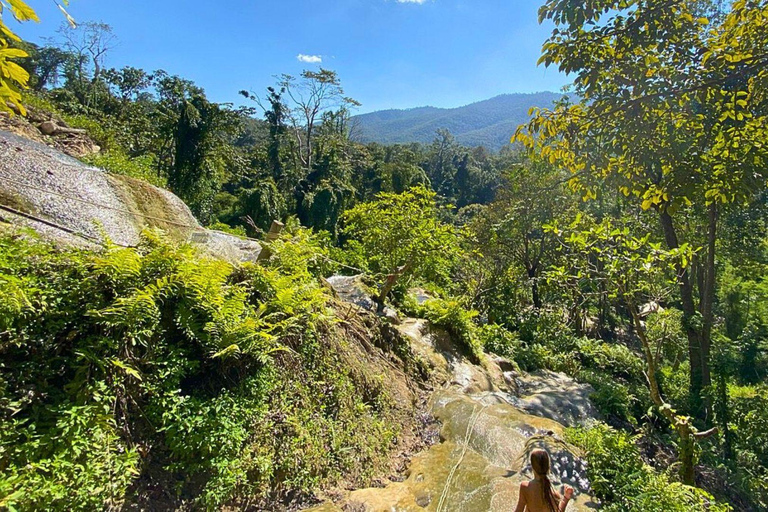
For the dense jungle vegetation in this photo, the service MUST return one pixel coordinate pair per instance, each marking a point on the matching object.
(622, 239)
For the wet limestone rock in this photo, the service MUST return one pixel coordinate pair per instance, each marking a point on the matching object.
(82, 205)
(353, 290)
(492, 417)
(479, 465)
(434, 346)
(555, 396)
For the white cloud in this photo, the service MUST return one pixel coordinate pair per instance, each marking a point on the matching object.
(411, 1)
(310, 59)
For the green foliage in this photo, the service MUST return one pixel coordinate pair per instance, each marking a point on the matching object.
(143, 167)
(79, 463)
(227, 381)
(226, 228)
(401, 235)
(748, 410)
(619, 477)
(665, 331)
(458, 321)
(13, 77)
(498, 340)
(97, 127)
(201, 151)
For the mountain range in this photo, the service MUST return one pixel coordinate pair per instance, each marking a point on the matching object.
(488, 123)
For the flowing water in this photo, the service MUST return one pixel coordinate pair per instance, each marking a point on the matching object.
(492, 418)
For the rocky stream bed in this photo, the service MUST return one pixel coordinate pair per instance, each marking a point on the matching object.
(491, 418)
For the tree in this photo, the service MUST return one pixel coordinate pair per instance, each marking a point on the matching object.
(44, 64)
(401, 236)
(672, 113)
(200, 153)
(279, 149)
(314, 93)
(637, 271)
(510, 230)
(89, 42)
(128, 82)
(441, 163)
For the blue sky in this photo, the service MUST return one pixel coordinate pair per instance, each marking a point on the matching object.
(388, 53)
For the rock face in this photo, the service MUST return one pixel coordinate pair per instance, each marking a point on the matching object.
(557, 397)
(492, 418)
(351, 289)
(47, 128)
(82, 205)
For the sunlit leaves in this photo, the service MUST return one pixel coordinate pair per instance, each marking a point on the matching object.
(673, 109)
(403, 230)
(13, 78)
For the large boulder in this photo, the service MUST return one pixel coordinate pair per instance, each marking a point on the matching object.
(71, 202)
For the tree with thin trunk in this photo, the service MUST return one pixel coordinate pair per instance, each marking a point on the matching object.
(401, 235)
(90, 41)
(311, 95)
(673, 113)
(510, 228)
(638, 271)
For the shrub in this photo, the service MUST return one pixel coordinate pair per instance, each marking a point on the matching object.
(623, 482)
(458, 321)
(498, 340)
(143, 167)
(675, 384)
(230, 379)
(611, 398)
(226, 228)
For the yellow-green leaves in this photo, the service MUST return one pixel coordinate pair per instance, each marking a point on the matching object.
(674, 108)
(13, 77)
(21, 11)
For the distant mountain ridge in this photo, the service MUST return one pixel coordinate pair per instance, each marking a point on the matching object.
(488, 123)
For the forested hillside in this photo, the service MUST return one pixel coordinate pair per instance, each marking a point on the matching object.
(484, 123)
(421, 316)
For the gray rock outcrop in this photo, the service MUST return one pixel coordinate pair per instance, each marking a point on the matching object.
(74, 203)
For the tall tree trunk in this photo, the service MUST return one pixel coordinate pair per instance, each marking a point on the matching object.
(532, 271)
(690, 314)
(708, 295)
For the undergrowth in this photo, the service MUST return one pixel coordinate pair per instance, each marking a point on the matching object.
(624, 483)
(136, 367)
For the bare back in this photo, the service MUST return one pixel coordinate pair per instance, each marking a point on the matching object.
(531, 499)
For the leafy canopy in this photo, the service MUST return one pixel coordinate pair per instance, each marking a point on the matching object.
(403, 230)
(673, 105)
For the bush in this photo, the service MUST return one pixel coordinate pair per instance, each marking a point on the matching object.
(748, 411)
(228, 381)
(458, 321)
(624, 483)
(675, 384)
(498, 340)
(614, 370)
(611, 398)
(544, 327)
(143, 167)
(226, 228)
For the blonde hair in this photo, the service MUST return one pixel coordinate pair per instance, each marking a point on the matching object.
(540, 464)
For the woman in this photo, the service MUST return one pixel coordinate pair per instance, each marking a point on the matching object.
(538, 495)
